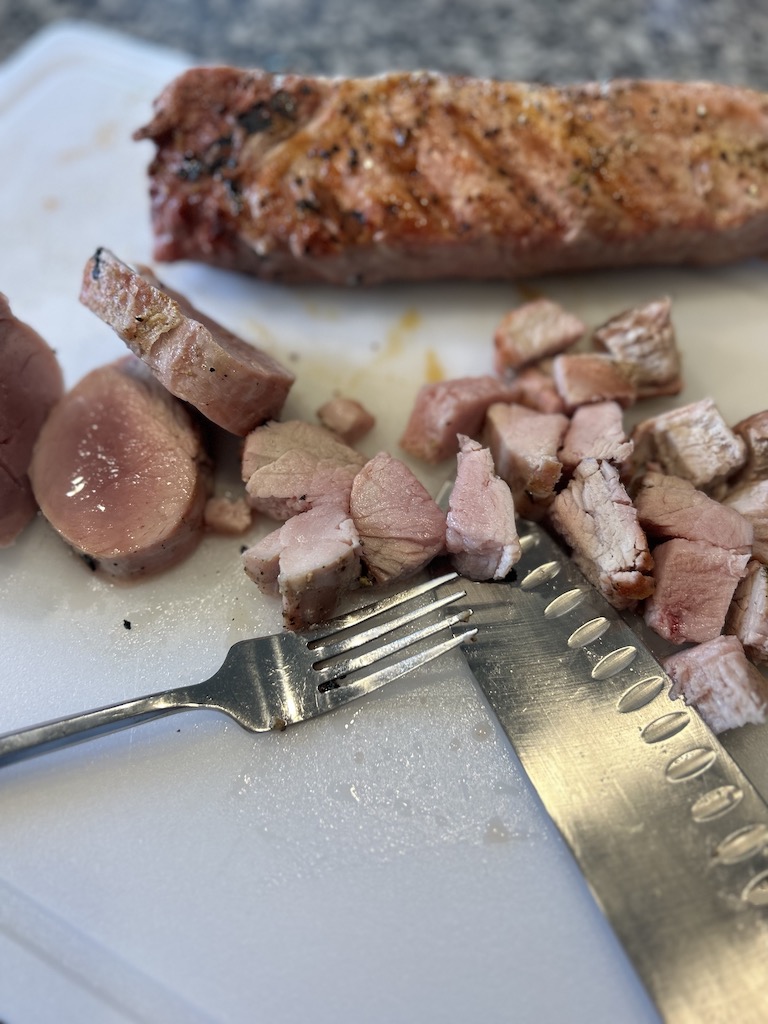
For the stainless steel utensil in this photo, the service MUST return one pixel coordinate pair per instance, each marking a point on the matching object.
(271, 682)
(669, 834)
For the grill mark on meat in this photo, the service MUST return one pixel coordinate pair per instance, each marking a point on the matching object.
(422, 175)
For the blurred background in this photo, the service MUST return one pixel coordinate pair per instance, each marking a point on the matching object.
(538, 40)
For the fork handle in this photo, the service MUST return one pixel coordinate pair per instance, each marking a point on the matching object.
(62, 732)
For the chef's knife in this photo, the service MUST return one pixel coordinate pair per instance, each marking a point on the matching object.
(670, 835)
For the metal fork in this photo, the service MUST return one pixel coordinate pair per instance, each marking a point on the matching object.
(274, 681)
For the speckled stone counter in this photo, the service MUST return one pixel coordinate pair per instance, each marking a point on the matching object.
(539, 40)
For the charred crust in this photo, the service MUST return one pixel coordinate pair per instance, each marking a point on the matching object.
(96, 268)
(262, 115)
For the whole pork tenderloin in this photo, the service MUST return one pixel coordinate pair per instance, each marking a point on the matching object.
(424, 175)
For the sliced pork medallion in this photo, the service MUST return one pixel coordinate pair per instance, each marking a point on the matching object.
(596, 518)
(447, 408)
(231, 382)
(695, 583)
(751, 501)
(595, 432)
(481, 532)
(643, 338)
(524, 445)
(718, 679)
(668, 506)
(290, 466)
(748, 615)
(30, 385)
(120, 472)
(310, 562)
(584, 377)
(423, 175)
(401, 527)
(693, 442)
(346, 417)
(533, 331)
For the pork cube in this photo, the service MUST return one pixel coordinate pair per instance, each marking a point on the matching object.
(693, 442)
(748, 615)
(401, 527)
(595, 432)
(668, 506)
(346, 417)
(586, 377)
(643, 338)
(751, 501)
(718, 679)
(695, 583)
(229, 516)
(754, 432)
(447, 408)
(532, 331)
(595, 517)
(535, 388)
(481, 532)
(311, 561)
(289, 467)
(524, 445)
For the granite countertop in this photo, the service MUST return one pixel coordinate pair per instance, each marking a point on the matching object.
(538, 40)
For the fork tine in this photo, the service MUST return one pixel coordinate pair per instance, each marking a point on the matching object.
(337, 669)
(335, 697)
(378, 607)
(332, 647)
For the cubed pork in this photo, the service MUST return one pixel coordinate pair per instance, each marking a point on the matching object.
(481, 532)
(720, 681)
(585, 377)
(754, 432)
(311, 561)
(346, 417)
(401, 527)
(748, 615)
(533, 331)
(751, 501)
(30, 385)
(119, 470)
(447, 408)
(535, 388)
(227, 515)
(693, 442)
(290, 466)
(595, 432)
(524, 445)
(643, 338)
(596, 518)
(695, 583)
(668, 506)
(228, 380)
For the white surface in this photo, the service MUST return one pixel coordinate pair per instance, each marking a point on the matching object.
(387, 863)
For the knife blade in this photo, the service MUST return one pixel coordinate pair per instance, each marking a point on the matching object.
(670, 835)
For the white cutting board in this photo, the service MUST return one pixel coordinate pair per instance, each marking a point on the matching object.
(387, 863)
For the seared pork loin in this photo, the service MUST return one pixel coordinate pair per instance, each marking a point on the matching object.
(597, 520)
(30, 385)
(346, 417)
(748, 615)
(423, 175)
(717, 677)
(695, 583)
(120, 472)
(643, 338)
(534, 331)
(481, 532)
(447, 408)
(401, 527)
(668, 506)
(595, 432)
(585, 377)
(229, 381)
(290, 466)
(524, 445)
(693, 442)
(310, 562)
